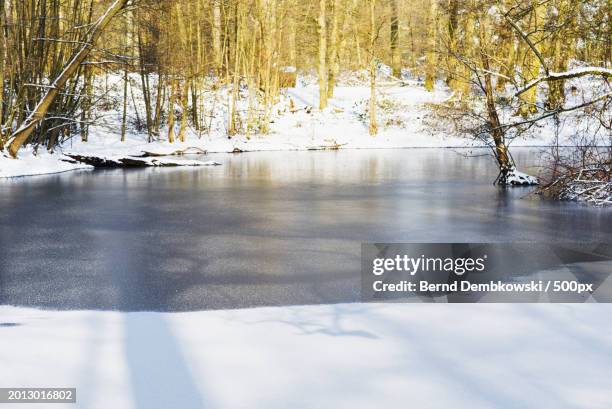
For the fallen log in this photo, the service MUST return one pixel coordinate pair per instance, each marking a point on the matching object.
(329, 145)
(136, 162)
(94, 161)
(187, 151)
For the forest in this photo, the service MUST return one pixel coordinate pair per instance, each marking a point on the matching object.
(185, 68)
(212, 204)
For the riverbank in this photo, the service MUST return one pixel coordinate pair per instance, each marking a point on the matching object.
(405, 117)
(31, 163)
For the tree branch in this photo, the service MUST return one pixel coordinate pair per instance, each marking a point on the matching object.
(555, 76)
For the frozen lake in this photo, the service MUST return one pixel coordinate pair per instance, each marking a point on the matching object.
(267, 228)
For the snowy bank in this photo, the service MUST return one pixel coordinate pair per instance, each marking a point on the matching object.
(296, 124)
(335, 356)
(118, 161)
(406, 116)
(31, 164)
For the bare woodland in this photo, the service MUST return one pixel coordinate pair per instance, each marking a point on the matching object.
(494, 55)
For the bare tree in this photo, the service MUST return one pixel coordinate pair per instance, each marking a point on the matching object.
(19, 137)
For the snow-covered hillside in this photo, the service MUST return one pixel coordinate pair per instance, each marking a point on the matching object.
(406, 116)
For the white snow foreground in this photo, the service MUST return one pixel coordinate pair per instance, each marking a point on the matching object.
(333, 356)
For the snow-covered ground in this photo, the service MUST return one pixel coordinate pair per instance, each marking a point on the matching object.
(342, 123)
(30, 164)
(502, 356)
(404, 113)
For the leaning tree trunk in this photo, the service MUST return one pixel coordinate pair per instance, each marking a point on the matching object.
(21, 135)
(501, 151)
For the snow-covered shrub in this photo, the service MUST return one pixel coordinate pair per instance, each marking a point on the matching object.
(591, 184)
(390, 111)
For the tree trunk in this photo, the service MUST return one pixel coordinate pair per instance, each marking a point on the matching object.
(184, 110)
(171, 111)
(232, 128)
(2, 63)
(396, 57)
(468, 51)
(430, 70)
(125, 104)
(86, 104)
(497, 132)
(560, 47)
(506, 54)
(194, 105)
(452, 78)
(532, 65)
(21, 135)
(322, 55)
(292, 41)
(216, 35)
(334, 66)
(146, 90)
(159, 102)
(373, 128)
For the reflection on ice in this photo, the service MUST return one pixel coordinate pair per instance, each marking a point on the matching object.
(267, 228)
